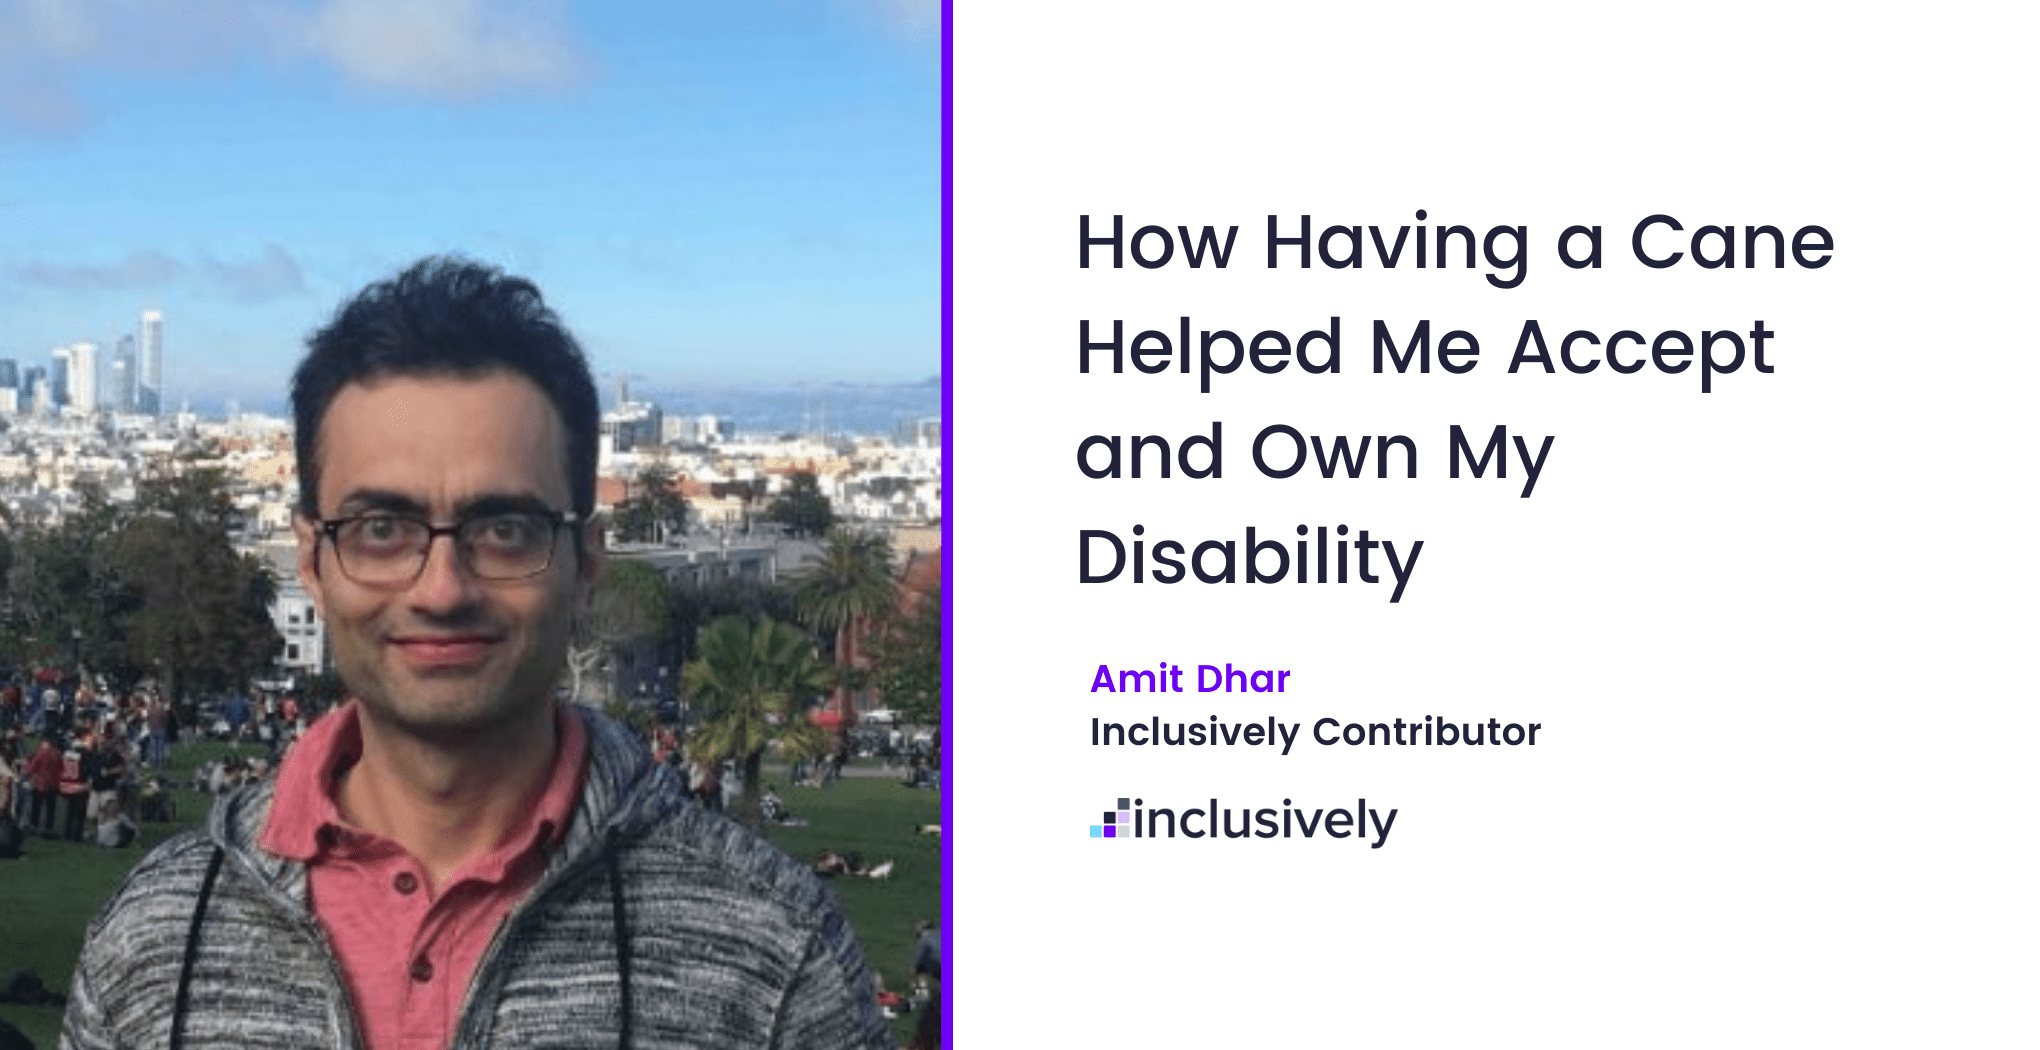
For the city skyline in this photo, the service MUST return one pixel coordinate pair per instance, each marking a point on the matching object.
(131, 381)
(718, 196)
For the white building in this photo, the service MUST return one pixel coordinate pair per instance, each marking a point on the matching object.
(632, 425)
(293, 613)
(36, 383)
(83, 380)
(297, 619)
(149, 380)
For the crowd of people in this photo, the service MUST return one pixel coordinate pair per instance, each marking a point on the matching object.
(80, 765)
(85, 766)
(71, 761)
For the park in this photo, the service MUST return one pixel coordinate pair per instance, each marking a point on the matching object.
(49, 895)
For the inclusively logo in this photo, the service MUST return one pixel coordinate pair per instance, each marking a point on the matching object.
(1129, 820)
(1114, 821)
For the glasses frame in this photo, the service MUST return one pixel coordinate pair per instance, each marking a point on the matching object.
(463, 552)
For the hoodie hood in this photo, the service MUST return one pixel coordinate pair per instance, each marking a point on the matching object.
(623, 793)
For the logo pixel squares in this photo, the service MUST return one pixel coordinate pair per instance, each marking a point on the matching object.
(1118, 823)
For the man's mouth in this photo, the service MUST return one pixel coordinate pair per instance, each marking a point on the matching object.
(451, 651)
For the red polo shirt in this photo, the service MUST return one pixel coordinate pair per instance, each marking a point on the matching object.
(406, 949)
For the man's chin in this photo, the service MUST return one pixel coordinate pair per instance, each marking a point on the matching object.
(449, 712)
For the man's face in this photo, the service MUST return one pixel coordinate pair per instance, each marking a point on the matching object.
(446, 653)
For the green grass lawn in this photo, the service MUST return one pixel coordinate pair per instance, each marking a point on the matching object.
(47, 897)
(880, 819)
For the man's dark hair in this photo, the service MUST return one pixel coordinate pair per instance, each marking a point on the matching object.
(448, 316)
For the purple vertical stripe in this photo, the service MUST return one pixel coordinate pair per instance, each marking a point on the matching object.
(948, 523)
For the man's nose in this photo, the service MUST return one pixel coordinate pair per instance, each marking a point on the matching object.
(444, 585)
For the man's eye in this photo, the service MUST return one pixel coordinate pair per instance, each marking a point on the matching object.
(382, 532)
(506, 532)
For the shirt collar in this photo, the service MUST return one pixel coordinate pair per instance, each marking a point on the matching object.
(304, 821)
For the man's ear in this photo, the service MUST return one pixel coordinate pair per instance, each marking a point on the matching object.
(307, 533)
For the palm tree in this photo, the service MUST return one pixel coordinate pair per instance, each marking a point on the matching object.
(749, 679)
(850, 584)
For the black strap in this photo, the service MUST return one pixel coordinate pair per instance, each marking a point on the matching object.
(622, 947)
(212, 874)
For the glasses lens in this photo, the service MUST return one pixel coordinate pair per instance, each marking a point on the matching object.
(381, 548)
(508, 546)
(387, 550)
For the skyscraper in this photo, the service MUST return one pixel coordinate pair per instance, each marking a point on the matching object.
(60, 377)
(84, 379)
(10, 376)
(121, 376)
(149, 397)
(35, 389)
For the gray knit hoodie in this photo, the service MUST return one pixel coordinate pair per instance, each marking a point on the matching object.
(656, 924)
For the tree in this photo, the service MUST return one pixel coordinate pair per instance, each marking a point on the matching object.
(803, 509)
(850, 584)
(150, 587)
(906, 659)
(654, 511)
(203, 615)
(631, 603)
(695, 605)
(750, 681)
(64, 597)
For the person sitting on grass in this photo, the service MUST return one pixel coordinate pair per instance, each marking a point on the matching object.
(830, 863)
(115, 830)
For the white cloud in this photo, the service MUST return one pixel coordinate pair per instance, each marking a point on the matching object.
(136, 270)
(274, 274)
(453, 49)
(440, 49)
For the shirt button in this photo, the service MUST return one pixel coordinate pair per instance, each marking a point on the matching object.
(421, 969)
(407, 883)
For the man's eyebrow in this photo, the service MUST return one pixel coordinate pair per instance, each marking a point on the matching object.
(502, 503)
(364, 500)
(384, 501)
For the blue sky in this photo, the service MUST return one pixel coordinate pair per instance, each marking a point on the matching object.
(728, 193)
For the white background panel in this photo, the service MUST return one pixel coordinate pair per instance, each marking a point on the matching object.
(1778, 635)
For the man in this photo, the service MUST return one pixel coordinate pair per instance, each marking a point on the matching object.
(158, 715)
(80, 759)
(454, 858)
(45, 775)
(238, 712)
(106, 773)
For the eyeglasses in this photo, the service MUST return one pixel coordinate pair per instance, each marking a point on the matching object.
(389, 550)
